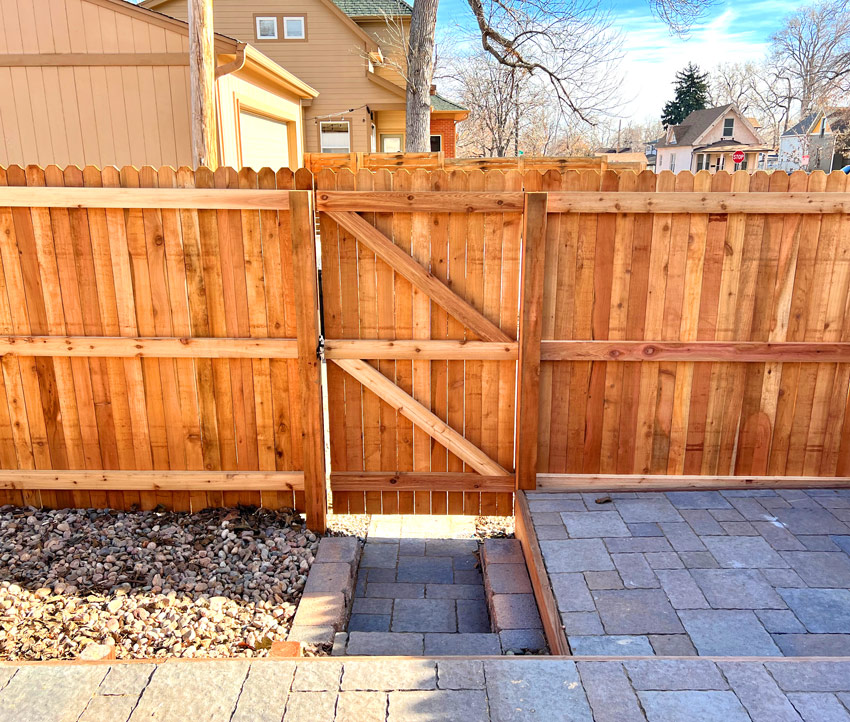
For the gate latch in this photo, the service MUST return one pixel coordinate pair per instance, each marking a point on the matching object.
(320, 349)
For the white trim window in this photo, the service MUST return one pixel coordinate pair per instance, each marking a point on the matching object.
(436, 143)
(702, 161)
(673, 163)
(335, 136)
(728, 127)
(392, 142)
(266, 27)
(294, 28)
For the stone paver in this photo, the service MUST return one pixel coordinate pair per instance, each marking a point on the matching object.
(496, 689)
(743, 571)
(636, 611)
(424, 615)
(722, 632)
(51, 693)
(466, 705)
(535, 689)
(483, 644)
(819, 707)
(675, 674)
(179, 692)
(703, 706)
(820, 610)
(611, 696)
(264, 693)
(384, 675)
(385, 643)
(610, 645)
(758, 692)
(361, 706)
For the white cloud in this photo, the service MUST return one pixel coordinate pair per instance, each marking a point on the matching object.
(652, 55)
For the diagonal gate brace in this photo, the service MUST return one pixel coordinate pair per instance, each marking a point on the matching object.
(424, 280)
(411, 409)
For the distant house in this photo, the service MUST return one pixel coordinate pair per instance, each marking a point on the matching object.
(350, 52)
(811, 143)
(106, 82)
(707, 140)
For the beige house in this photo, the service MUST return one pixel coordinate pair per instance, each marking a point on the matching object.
(709, 139)
(105, 82)
(350, 52)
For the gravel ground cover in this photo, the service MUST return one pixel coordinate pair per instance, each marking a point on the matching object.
(218, 583)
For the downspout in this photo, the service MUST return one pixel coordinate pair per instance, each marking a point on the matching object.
(234, 65)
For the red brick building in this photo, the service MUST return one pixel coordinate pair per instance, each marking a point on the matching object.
(445, 115)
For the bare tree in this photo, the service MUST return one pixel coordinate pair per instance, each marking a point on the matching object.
(812, 52)
(757, 89)
(568, 43)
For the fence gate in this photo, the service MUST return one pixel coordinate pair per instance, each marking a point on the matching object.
(421, 320)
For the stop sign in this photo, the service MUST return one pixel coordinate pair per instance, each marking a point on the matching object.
(738, 156)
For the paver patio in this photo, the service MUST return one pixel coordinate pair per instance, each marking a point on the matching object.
(738, 573)
(496, 689)
(420, 590)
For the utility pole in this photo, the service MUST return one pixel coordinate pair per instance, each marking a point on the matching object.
(202, 83)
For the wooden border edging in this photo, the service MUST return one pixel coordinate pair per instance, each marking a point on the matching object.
(159, 480)
(681, 482)
(306, 291)
(553, 629)
(419, 481)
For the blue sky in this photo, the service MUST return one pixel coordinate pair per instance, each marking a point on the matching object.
(731, 31)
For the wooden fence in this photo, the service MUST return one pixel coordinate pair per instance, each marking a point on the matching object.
(672, 331)
(129, 322)
(317, 162)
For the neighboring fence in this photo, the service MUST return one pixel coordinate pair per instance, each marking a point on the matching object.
(317, 162)
(665, 326)
(129, 352)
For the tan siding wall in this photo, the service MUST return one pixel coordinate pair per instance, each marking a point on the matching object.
(331, 60)
(233, 92)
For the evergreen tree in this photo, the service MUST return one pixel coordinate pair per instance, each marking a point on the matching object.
(691, 94)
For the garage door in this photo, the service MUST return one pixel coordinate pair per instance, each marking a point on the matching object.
(265, 142)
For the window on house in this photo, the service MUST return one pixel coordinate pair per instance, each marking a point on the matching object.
(728, 127)
(702, 161)
(335, 137)
(436, 143)
(294, 28)
(822, 127)
(391, 143)
(266, 28)
(673, 162)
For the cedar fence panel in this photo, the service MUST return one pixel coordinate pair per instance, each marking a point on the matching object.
(691, 278)
(219, 277)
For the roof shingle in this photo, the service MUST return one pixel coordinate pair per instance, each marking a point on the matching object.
(438, 102)
(374, 8)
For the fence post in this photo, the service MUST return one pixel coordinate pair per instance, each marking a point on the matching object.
(309, 371)
(530, 326)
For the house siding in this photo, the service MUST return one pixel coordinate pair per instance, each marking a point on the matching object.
(97, 115)
(332, 61)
